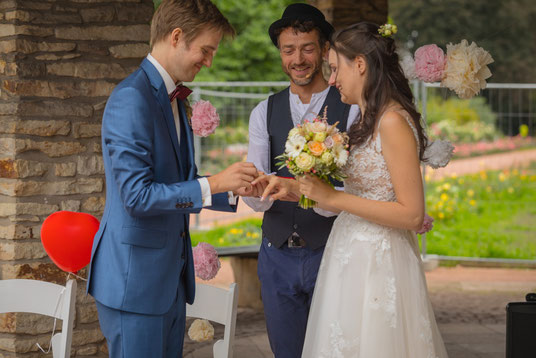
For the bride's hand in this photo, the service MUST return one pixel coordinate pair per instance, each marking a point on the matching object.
(314, 188)
(278, 188)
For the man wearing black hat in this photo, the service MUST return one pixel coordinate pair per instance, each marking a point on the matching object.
(293, 238)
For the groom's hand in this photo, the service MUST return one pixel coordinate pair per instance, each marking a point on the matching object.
(238, 175)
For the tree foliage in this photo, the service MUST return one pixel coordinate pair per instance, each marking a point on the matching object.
(504, 28)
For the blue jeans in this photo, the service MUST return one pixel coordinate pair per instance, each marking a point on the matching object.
(287, 277)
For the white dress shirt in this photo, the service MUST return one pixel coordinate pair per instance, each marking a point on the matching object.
(259, 151)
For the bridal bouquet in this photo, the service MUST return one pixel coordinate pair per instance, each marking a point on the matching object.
(464, 69)
(318, 148)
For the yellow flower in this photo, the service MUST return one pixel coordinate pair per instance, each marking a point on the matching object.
(255, 235)
(248, 234)
(483, 175)
(444, 197)
(523, 177)
(510, 190)
(515, 172)
(533, 178)
(440, 204)
(472, 202)
(470, 193)
(446, 186)
(220, 240)
(502, 177)
(461, 181)
(441, 215)
(453, 176)
(233, 231)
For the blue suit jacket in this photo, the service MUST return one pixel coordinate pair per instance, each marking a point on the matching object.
(142, 248)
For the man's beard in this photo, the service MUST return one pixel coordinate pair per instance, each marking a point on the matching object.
(305, 80)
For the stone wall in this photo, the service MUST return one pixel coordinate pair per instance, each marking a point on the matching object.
(59, 61)
(341, 13)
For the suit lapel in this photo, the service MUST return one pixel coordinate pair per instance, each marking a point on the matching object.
(163, 99)
(189, 141)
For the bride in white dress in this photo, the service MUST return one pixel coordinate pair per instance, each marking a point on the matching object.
(371, 298)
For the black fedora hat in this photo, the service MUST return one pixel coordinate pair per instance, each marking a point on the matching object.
(300, 12)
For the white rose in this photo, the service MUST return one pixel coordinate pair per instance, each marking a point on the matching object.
(318, 127)
(305, 162)
(201, 330)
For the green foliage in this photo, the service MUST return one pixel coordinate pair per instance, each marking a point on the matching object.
(243, 233)
(251, 56)
(460, 121)
(487, 214)
(504, 28)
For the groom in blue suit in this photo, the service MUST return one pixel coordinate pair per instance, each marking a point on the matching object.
(141, 273)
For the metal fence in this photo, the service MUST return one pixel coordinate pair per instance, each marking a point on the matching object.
(512, 105)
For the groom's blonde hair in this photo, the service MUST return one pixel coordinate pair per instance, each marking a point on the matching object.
(191, 16)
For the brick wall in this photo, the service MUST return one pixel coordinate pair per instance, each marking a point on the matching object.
(59, 61)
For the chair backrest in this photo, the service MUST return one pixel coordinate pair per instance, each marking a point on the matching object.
(44, 298)
(217, 305)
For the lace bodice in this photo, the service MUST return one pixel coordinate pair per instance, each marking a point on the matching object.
(366, 169)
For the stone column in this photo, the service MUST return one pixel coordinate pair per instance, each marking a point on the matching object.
(341, 13)
(59, 61)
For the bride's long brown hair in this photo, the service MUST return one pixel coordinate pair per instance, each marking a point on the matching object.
(385, 81)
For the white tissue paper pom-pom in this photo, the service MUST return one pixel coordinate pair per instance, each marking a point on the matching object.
(438, 153)
(201, 331)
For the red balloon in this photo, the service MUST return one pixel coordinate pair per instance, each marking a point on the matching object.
(68, 237)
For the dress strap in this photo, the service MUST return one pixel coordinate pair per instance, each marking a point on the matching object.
(405, 115)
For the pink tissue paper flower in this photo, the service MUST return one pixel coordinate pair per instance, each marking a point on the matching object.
(427, 224)
(205, 119)
(206, 262)
(430, 63)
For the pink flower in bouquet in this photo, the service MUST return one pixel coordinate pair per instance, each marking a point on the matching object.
(427, 224)
(205, 119)
(429, 63)
(206, 262)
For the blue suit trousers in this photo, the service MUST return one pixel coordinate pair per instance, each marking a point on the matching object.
(136, 335)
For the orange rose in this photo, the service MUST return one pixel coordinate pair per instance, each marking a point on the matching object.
(316, 148)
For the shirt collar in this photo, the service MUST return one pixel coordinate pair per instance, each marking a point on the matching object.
(168, 81)
(313, 97)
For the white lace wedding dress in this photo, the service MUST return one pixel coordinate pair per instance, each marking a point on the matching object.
(370, 299)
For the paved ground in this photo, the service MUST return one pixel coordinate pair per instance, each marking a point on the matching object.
(469, 304)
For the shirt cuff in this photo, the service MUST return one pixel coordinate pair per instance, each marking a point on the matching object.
(232, 198)
(206, 195)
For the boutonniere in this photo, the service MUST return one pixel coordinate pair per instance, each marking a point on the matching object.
(204, 118)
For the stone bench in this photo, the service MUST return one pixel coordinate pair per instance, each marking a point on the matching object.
(244, 265)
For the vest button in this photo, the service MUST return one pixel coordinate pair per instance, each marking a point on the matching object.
(295, 226)
(269, 244)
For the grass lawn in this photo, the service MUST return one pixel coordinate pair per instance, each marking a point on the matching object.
(488, 214)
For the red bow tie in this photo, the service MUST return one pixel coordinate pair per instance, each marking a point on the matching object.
(181, 92)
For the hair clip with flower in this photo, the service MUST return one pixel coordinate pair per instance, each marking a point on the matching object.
(387, 30)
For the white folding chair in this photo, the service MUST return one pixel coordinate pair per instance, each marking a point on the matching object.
(44, 298)
(217, 305)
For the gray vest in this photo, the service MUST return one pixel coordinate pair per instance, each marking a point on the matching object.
(284, 218)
